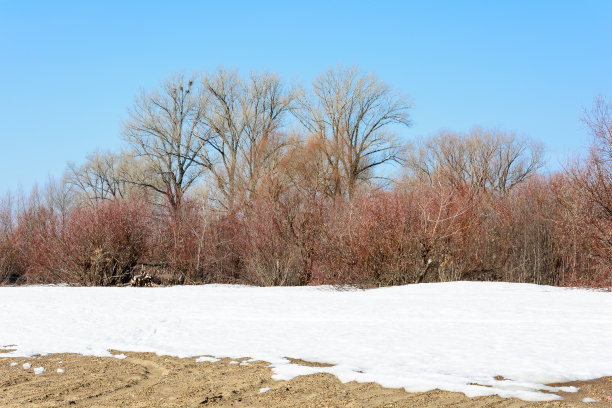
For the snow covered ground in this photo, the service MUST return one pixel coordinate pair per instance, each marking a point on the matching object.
(453, 336)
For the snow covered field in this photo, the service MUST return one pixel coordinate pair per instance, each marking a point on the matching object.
(453, 336)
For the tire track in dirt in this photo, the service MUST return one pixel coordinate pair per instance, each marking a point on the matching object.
(152, 374)
(80, 385)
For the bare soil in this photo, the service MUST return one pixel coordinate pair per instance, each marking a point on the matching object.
(149, 380)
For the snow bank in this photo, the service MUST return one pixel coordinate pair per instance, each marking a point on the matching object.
(454, 336)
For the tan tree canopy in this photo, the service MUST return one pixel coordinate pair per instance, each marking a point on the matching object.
(481, 159)
(351, 112)
(166, 128)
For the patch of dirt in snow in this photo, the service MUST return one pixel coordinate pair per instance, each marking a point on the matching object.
(308, 363)
(149, 380)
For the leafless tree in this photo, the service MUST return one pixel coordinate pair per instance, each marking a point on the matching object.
(482, 159)
(9, 268)
(100, 177)
(599, 121)
(245, 117)
(352, 112)
(304, 169)
(59, 197)
(592, 180)
(443, 215)
(596, 179)
(166, 127)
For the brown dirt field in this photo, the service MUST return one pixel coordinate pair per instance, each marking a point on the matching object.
(149, 380)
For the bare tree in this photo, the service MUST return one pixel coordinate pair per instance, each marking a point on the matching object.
(599, 121)
(592, 178)
(351, 112)
(100, 177)
(443, 215)
(59, 197)
(596, 179)
(304, 168)
(10, 270)
(244, 117)
(265, 109)
(167, 128)
(481, 159)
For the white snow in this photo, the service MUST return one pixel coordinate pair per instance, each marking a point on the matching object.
(119, 356)
(13, 364)
(264, 389)
(26, 366)
(39, 370)
(589, 400)
(207, 359)
(61, 370)
(454, 336)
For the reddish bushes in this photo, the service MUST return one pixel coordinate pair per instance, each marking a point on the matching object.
(583, 233)
(272, 250)
(104, 242)
(10, 269)
(373, 240)
(40, 251)
(97, 244)
(542, 232)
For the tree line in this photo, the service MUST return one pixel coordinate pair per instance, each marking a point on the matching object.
(237, 179)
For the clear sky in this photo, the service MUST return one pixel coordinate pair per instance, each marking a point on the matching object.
(70, 70)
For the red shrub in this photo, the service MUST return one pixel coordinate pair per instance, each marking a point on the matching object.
(104, 242)
(39, 247)
(10, 269)
(393, 238)
(97, 244)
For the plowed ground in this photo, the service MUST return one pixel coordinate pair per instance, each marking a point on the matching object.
(149, 380)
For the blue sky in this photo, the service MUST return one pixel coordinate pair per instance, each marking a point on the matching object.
(70, 70)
